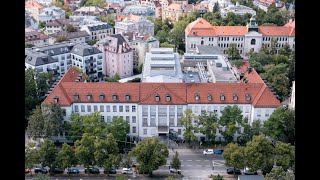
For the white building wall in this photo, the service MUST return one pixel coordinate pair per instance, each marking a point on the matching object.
(261, 113)
(247, 41)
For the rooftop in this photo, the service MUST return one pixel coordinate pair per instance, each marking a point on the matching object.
(37, 58)
(69, 35)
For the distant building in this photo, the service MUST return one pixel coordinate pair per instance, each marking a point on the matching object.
(73, 37)
(98, 31)
(34, 8)
(36, 38)
(40, 61)
(264, 4)
(79, 21)
(51, 13)
(174, 11)
(236, 9)
(45, 2)
(30, 22)
(117, 55)
(138, 10)
(134, 23)
(57, 25)
(162, 65)
(89, 11)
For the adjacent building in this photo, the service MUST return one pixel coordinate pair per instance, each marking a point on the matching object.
(154, 109)
(51, 13)
(40, 61)
(236, 9)
(134, 23)
(57, 25)
(79, 21)
(98, 31)
(33, 7)
(138, 10)
(175, 10)
(89, 11)
(162, 65)
(29, 21)
(247, 38)
(73, 37)
(117, 55)
(36, 38)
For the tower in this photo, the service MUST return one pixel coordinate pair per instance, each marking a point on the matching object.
(252, 25)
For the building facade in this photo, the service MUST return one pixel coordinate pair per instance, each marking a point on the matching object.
(57, 25)
(33, 7)
(73, 37)
(117, 55)
(98, 31)
(174, 11)
(89, 11)
(153, 109)
(51, 13)
(236, 9)
(138, 10)
(134, 23)
(36, 38)
(247, 38)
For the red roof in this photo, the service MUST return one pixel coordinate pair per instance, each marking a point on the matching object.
(34, 35)
(33, 4)
(264, 100)
(244, 66)
(253, 77)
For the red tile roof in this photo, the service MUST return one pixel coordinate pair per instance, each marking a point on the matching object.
(269, 2)
(252, 77)
(264, 100)
(34, 35)
(244, 66)
(33, 4)
(230, 30)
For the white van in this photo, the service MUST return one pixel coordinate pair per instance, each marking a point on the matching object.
(208, 151)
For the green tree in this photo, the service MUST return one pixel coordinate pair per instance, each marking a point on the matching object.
(257, 66)
(278, 58)
(66, 157)
(28, 45)
(119, 128)
(76, 127)
(140, 67)
(259, 153)
(85, 150)
(91, 42)
(230, 130)
(234, 156)
(176, 163)
(216, 8)
(268, 24)
(150, 154)
(53, 119)
(213, 18)
(237, 63)
(56, 3)
(48, 153)
(233, 52)
(61, 39)
(285, 155)
(285, 50)
(277, 173)
(127, 161)
(231, 114)
(208, 124)
(273, 46)
(71, 28)
(261, 57)
(157, 25)
(162, 36)
(186, 121)
(109, 18)
(32, 157)
(93, 124)
(114, 78)
(167, 45)
(36, 124)
(217, 177)
(99, 3)
(42, 24)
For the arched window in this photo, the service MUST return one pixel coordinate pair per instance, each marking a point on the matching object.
(209, 97)
(235, 97)
(168, 97)
(157, 97)
(253, 41)
(196, 97)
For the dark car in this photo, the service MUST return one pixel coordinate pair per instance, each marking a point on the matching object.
(41, 170)
(234, 171)
(56, 171)
(72, 171)
(92, 170)
(111, 171)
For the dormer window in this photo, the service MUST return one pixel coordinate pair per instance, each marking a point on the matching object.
(157, 97)
(168, 97)
(101, 97)
(114, 97)
(76, 97)
(55, 99)
(89, 97)
(248, 97)
(127, 96)
(235, 97)
(222, 97)
(196, 97)
(209, 97)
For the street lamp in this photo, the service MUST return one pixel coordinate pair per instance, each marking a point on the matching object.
(274, 149)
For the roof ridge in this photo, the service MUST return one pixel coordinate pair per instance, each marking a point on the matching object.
(156, 89)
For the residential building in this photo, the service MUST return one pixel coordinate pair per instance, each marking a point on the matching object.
(79, 21)
(138, 10)
(89, 11)
(162, 65)
(211, 3)
(263, 4)
(200, 8)
(30, 22)
(57, 25)
(98, 31)
(174, 11)
(236, 9)
(247, 38)
(51, 13)
(134, 23)
(117, 55)
(73, 37)
(73, 4)
(40, 61)
(85, 57)
(45, 2)
(153, 109)
(140, 44)
(34, 8)
(36, 38)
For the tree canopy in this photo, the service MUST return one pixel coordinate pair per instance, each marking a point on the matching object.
(186, 121)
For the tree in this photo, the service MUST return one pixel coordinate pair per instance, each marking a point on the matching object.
(268, 24)
(234, 156)
(93, 124)
(91, 42)
(99, 3)
(277, 173)
(166, 44)
(48, 153)
(273, 46)
(28, 45)
(119, 128)
(231, 114)
(140, 67)
(76, 127)
(237, 63)
(258, 153)
(285, 155)
(150, 154)
(53, 119)
(291, 70)
(278, 58)
(109, 18)
(70, 28)
(56, 3)
(176, 163)
(114, 78)
(216, 8)
(261, 57)
(61, 39)
(285, 50)
(32, 157)
(66, 157)
(186, 121)
(208, 124)
(162, 36)
(217, 177)
(36, 124)
(157, 25)
(42, 24)
(230, 130)
(85, 150)
(127, 162)
(233, 52)
(257, 66)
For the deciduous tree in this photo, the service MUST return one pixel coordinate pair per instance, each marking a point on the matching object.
(231, 114)
(48, 153)
(66, 157)
(285, 155)
(176, 163)
(32, 157)
(85, 150)
(233, 52)
(208, 124)
(186, 121)
(234, 156)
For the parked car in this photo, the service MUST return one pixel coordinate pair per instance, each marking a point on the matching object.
(72, 171)
(27, 170)
(57, 170)
(92, 170)
(41, 170)
(111, 171)
(172, 170)
(234, 171)
(218, 151)
(126, 171)
(208, 151)
(247, 171)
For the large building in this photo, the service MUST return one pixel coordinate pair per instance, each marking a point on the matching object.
(134, 23)
(153, 109)
(89, 11)
(175, 10)
(138, 10)
(162, 65)
(51, 13)
(33, 7)
(98, 31)
(73, 37)
(117, 55)
(57, 25)
(247, 38)
(236, 9)
(36, 38)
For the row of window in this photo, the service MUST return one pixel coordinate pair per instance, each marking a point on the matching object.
(101, 97)
(127, 118)
(103, 108)
(228, 38)
(204, 109)
(277, 38)
(239, 45)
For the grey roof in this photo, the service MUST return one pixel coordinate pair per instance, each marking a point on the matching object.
(99, 27)
(69, 35)
(84, 50)
(35, 58)
(120, 40)
(58, 22)
(56, 49)
(205, 49)
(250, 177)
